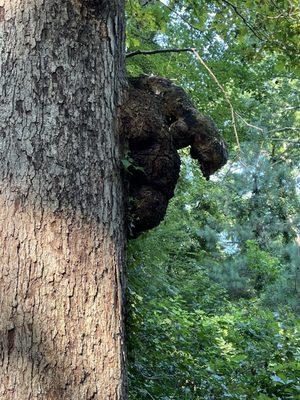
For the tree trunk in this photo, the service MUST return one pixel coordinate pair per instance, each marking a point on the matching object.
(61, 202)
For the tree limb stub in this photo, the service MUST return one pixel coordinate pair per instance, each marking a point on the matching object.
(157, 51)
(158, 119)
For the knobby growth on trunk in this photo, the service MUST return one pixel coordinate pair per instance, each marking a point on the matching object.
(158, 119)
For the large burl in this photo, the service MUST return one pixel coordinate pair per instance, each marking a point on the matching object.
(158, 119)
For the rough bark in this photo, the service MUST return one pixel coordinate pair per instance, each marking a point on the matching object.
(61, 203)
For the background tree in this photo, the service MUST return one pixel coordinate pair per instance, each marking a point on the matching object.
(214, 290)
(61, 212)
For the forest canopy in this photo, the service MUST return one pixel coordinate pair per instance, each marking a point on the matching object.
(213, 292)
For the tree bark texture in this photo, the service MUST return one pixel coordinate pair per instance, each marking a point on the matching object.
(61, 200)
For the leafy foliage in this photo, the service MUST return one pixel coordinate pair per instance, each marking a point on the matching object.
(213, 292)
(210, 319)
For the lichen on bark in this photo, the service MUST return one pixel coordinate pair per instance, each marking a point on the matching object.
(158, 119)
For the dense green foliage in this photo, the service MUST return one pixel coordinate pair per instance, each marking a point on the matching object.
(209, 318)
(213, 292)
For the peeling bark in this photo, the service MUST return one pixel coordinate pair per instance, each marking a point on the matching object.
(61, 202)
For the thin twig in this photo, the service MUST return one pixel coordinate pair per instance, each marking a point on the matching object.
(285, 140)
(247, 123)
(236, 10)
(266, 132)
(149, 394)
(262, 35)
(176, 50)
(183, 19)
(213, 76)
(200, 59)
(150, 52)
(275, 5)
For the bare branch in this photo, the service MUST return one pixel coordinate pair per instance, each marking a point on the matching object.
(247, 123)
(150, 52)
(236, 10)
(213, 76)
(266, 132)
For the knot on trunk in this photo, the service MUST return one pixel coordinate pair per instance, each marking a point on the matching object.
(158, 119)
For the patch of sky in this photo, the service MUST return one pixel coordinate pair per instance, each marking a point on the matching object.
(229, 245)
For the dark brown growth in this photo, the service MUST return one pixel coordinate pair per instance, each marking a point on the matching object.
(158, 118)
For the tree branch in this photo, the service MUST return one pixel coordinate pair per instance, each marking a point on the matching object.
(236, 10)
(213, 76)
(150, 52)
(184, 19)
(250, 125)
(285, 140)
(266, 132)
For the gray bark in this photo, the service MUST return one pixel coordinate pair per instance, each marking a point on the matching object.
(61, 200)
